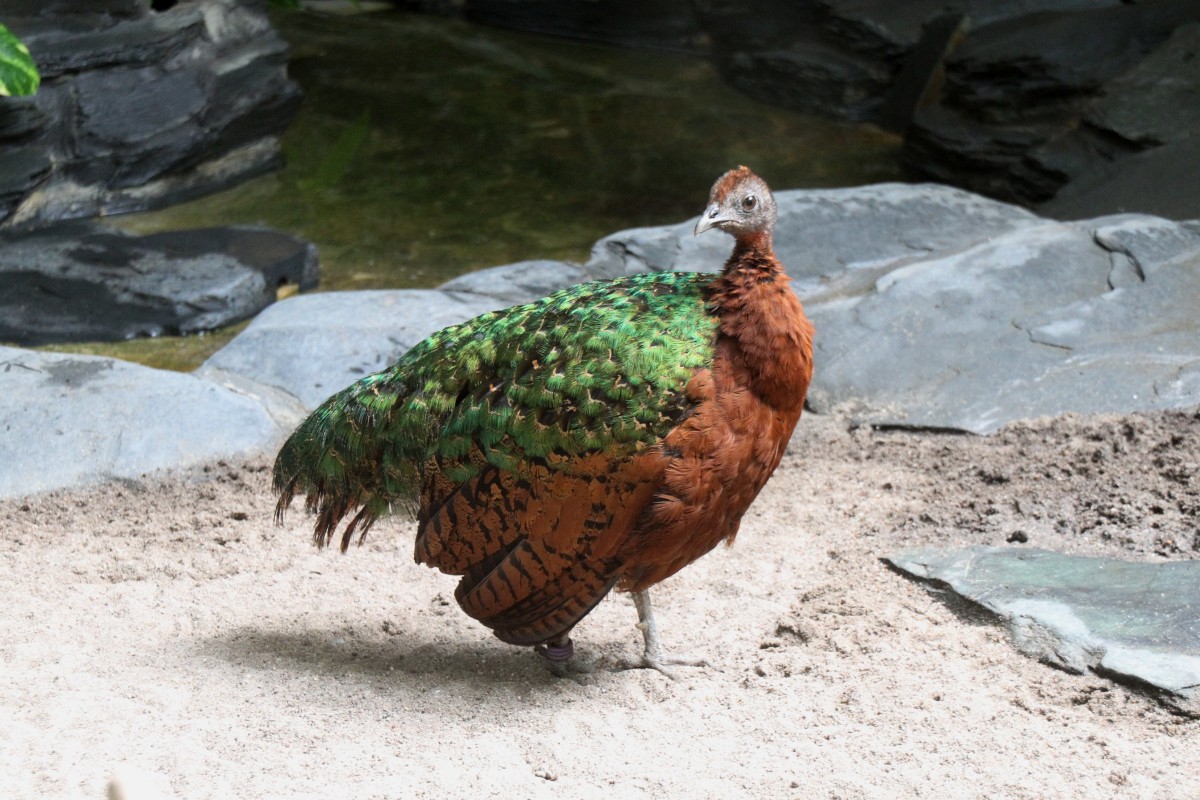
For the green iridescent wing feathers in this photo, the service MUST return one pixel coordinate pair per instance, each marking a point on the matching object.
(599, 366)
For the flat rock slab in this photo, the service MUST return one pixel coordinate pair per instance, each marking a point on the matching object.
(87, 282)
(1132, 621)
(68, 420)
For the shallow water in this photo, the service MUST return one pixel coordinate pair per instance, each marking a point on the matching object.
(427, 148)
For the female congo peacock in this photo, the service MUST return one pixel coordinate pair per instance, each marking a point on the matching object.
(606, 435)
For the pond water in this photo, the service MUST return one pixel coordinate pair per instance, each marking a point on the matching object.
(428, 147)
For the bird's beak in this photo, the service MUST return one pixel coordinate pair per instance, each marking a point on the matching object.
(709, 219)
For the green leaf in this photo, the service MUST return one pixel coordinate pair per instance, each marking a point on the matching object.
(18, 73)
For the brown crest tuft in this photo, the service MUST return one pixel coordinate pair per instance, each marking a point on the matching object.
(726, 182)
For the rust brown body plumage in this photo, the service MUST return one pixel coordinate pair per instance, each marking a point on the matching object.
(607, 436)
(749, 403)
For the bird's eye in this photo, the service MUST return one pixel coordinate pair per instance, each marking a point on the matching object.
(749, 202)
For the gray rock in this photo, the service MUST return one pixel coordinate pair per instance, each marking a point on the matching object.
(823, 232)
(937, 308)
(100, 419)
(1131, 621)
(314, 345)
(140, 108)
(519, 283)
(933, 307)
(1023, 326)
(933, 343)
(86, 282)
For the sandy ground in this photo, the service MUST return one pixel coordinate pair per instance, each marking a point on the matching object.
(166, 631)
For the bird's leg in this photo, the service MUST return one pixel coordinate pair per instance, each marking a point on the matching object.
(648, 626)
(557, 653)
(652, 656)
(560, 658)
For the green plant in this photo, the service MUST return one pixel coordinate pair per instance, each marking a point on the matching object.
(18, 73)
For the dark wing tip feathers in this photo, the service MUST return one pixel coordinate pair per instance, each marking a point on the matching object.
(329, 511)
(328, 506)
(331, 436)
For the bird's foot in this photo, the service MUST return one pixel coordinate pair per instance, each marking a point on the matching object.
(653, 656)
(561, 662)
(662, 663)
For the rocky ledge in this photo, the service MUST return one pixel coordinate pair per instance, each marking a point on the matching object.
(935, 308)
(139, 108)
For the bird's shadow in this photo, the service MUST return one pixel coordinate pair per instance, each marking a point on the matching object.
(401, 659)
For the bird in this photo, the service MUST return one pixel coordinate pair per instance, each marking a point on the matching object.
(606, 435)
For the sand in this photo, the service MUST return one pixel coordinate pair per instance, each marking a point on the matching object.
(167, 632)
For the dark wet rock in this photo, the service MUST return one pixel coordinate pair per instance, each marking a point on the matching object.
(1033, 104)
(1141, 106)
(22, 170)
(138, 108)
(868, 60)
(1156, 181)
(1009, 98)
(86, 282)
(20, 117)
(1135, 146)
(658, 24)
(664, 24)
(102, 419)
(1131, 621)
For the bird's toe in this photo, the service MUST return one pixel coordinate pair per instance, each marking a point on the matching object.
(662, 664)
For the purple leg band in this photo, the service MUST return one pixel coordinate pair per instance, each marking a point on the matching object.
(559, 653)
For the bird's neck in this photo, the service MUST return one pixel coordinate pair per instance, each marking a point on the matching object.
(751, 244)
(763, 323)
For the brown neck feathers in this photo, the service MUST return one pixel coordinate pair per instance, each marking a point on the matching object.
(763, 322)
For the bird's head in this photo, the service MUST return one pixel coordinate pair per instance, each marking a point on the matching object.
(740, 204)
